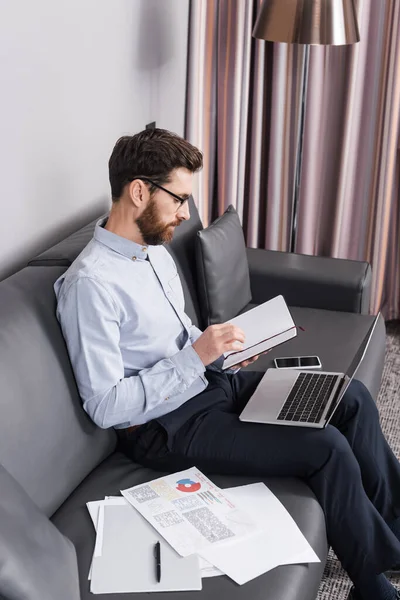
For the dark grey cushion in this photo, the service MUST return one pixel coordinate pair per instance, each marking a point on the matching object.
(222, 269)
(288, 582)
(47, 441)
(36, 561)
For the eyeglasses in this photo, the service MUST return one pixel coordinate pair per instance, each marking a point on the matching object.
(157, 185)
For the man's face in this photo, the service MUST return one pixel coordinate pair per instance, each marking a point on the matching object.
(163, 212)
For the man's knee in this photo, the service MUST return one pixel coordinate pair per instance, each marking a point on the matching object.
(332, 445)
(359, 388)
(333, 440)
(358, 399)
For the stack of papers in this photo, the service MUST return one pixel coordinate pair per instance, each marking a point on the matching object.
(123, 559)
(204, 531)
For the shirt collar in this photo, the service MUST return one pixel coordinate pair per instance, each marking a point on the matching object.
(119, 244)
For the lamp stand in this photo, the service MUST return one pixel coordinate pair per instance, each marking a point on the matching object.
(299, 149)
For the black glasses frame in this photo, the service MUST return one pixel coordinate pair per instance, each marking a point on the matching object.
(157, 185)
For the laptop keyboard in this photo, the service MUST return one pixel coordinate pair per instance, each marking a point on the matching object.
(308, 398)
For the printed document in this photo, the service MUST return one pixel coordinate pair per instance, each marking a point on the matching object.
(189, 511)
(275, 541)
(97, 508)
(278, 540)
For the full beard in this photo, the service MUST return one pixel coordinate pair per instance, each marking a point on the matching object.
(153, 231)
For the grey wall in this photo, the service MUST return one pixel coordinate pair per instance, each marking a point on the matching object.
(75, 75)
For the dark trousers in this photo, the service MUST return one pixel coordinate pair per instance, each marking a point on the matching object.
(348, 465)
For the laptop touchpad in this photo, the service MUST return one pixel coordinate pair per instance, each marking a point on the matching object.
(270, 395)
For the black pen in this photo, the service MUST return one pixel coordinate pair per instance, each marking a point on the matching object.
(157, 556)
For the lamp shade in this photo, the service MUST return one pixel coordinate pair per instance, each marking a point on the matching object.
(319, 22)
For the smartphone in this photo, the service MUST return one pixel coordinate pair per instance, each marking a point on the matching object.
(298, 362)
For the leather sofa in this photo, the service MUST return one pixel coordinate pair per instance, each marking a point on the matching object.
(62, 460)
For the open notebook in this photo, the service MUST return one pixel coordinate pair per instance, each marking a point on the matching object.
(265, 327)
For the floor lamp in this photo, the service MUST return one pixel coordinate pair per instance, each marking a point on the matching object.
(307, 22)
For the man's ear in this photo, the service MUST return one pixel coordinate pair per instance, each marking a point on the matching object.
(136, 193)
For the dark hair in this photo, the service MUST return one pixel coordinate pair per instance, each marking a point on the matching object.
(154, 153)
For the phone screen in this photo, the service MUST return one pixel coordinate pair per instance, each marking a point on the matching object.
(299, 362)
(309, 361)
(287, 363)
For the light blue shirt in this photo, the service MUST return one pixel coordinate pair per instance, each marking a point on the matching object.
(121, 309)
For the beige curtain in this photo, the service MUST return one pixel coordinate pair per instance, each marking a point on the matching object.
(242, 111)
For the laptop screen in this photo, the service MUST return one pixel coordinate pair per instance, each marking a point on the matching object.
(362, 349)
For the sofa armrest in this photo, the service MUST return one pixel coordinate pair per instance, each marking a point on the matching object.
(37, 562)
(310, 281)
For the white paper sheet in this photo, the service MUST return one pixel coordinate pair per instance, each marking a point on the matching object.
(278, 540)
(94, 512)
(98, 547)
(127, 562)
(189, 511)
(206, 568)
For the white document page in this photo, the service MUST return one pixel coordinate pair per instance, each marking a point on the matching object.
(98, 547)
(265, 326)
(127, 563)
(206, 568)
(94, 512)
(278, 540)
(189, 511)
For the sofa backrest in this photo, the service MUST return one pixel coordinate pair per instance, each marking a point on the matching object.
(182, 249)
(47, 442)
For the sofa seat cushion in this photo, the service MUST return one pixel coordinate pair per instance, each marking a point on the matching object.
(335, 337)
(289, 582)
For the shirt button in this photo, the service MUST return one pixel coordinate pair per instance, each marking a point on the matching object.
(167, 398)
(133, 257)
(144, 249)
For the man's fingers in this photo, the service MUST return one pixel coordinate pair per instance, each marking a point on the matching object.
(251, 360)
(246, 363)
(238, 334)
(227, 329)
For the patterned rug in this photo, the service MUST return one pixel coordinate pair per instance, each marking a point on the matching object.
(335, 584)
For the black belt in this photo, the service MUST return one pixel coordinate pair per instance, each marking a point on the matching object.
(126, 432)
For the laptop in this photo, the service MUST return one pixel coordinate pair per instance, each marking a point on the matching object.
(302, 398)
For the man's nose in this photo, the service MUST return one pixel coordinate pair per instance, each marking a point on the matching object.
(184, 212)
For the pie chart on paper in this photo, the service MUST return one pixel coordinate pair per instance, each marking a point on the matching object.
(187, 485)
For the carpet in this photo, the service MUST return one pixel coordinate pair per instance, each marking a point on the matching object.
(335, 584)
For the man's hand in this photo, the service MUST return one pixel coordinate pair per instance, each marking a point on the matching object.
(249, 361)
(218, 339)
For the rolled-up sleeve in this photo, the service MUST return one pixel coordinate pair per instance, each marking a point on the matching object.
(90, 322)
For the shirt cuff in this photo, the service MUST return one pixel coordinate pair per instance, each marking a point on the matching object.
(188, 364)
(218, 364)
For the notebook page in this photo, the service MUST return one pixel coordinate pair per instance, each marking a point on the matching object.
(268, 321)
